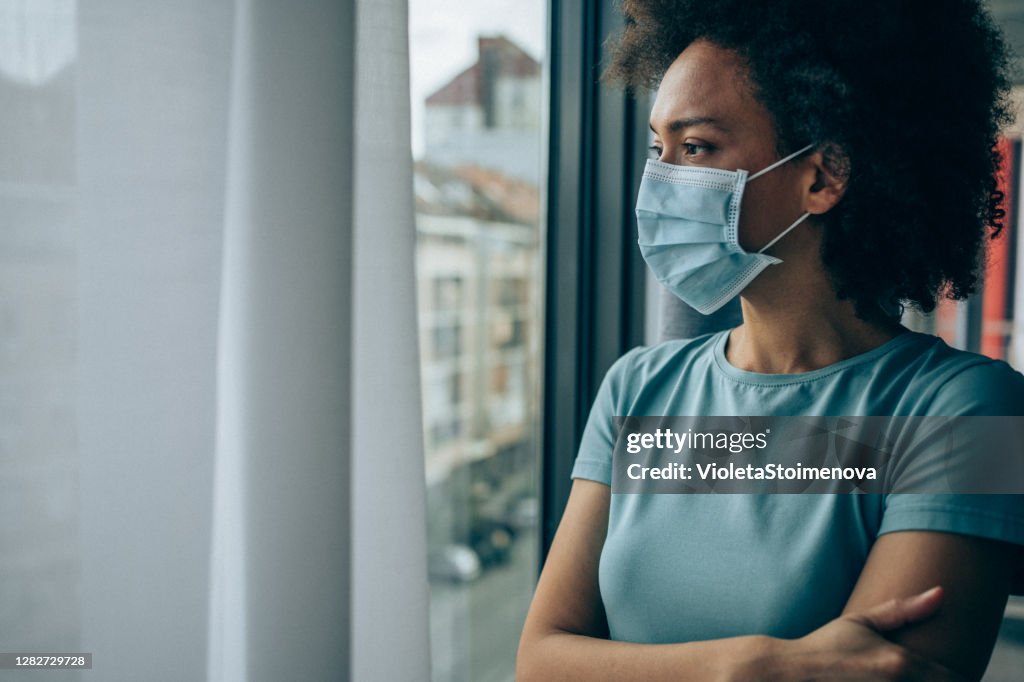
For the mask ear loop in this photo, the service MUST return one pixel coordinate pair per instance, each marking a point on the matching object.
(780, 162)
(782, 234)
(771, 168)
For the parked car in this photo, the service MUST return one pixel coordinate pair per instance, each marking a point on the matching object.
(491, 540)
(454, 563)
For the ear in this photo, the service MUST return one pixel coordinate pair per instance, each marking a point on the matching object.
(828, 173)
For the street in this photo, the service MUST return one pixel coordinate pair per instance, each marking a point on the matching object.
(474, 628)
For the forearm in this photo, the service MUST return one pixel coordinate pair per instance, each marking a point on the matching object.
(566, 656)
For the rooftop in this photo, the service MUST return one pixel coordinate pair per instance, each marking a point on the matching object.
(497, 57)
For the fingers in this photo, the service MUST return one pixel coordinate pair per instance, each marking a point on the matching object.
(896, 613)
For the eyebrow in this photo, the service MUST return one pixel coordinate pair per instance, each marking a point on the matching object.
(682, 123)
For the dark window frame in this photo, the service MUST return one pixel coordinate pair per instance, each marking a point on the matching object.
(594, 274)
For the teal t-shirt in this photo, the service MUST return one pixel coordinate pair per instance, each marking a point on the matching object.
(688, 567)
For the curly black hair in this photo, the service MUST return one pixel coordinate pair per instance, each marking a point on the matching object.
(906, 99)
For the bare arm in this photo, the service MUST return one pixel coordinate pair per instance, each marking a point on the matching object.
(565, 630)
(565, 635)
(975, 574)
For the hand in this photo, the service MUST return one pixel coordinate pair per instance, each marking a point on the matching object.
(852, 647)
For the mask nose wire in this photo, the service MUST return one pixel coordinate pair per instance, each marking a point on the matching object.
(779, 162)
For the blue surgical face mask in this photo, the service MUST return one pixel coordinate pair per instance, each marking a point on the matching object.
(688, 222)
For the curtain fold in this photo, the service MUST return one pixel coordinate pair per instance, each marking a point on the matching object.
(319, 549)
(389, 574)
(133, 161)
(279, 584)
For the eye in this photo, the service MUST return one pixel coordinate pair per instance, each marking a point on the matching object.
(695, 149)
(655, 152)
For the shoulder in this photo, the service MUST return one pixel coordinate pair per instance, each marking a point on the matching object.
(645, 363)
(965, 383)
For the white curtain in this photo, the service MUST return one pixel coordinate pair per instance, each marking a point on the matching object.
(389, 547)
(211, 436)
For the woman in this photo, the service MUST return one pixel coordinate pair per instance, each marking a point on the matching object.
(873, 125)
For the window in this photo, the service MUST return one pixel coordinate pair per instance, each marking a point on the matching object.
(476, 101)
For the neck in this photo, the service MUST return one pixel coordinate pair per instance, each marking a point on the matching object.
(807, 332)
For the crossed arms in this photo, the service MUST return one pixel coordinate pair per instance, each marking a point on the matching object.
(946, 634)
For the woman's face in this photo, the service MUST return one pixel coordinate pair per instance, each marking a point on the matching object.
(705, 115)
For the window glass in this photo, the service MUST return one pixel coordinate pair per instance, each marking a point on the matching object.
(477, 138)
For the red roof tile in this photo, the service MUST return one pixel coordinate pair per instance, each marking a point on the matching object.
(501, 56)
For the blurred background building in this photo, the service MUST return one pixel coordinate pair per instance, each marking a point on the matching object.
(489, 114)
(480, 279)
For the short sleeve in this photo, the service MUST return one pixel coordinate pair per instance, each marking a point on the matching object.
(986, 389)
(594, 458)
(996, 517)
